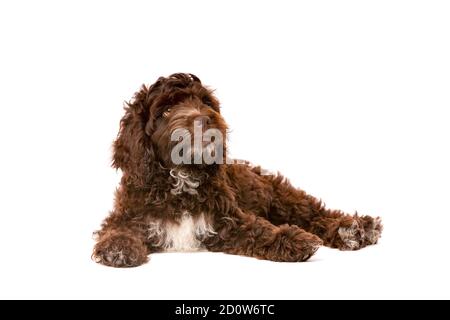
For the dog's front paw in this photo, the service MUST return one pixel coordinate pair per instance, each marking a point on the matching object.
(295, 245)
(360, 232)
(120, 251)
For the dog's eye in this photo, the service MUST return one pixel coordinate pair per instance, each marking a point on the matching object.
(166, 113)
(207, 101)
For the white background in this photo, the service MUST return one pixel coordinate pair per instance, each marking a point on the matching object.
(349, 99)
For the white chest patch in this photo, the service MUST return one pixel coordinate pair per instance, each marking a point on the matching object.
(186, 235)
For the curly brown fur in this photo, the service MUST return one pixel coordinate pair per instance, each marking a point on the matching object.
(230, 208)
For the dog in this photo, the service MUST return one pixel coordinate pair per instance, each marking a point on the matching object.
(164, 204)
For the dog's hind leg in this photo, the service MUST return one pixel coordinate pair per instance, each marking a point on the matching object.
(335, 228)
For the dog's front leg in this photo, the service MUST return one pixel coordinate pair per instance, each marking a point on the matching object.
(246, 234)
(120, 246)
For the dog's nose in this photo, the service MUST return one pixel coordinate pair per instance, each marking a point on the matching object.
(202, 121)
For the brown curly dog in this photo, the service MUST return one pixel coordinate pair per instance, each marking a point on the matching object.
(167, 205)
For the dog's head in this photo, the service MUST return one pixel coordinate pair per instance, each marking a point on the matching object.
(175, 122)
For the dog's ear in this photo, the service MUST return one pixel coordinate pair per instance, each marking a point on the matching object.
(132, 148)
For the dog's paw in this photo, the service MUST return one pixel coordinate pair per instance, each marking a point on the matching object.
(120, 251)
(372, 229)
(362, 231)
(295, 244)
(310, 249)
(352, 236)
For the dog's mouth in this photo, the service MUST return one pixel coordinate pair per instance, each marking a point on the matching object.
(205, 148)
(196, 146)
(202, 153)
